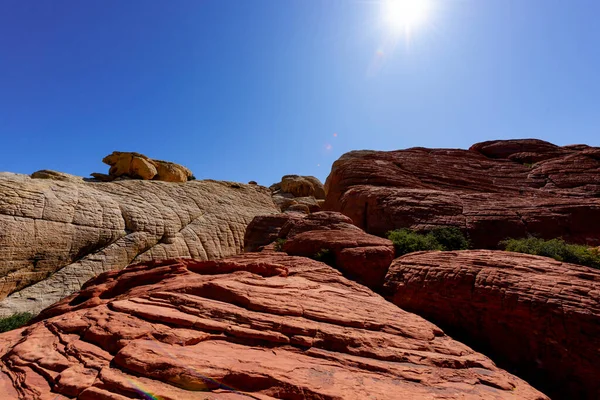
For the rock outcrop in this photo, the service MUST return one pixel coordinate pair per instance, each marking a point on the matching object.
(328, 236)
(493, 191)
(55, 234)
(535, 316)
(304, 194)
(138, 166)
(260, 326)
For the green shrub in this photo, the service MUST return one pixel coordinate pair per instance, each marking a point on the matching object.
(325, 256)
(555, 248)
(279, 244)
(450, 238)
(14, 321)
(447, 238)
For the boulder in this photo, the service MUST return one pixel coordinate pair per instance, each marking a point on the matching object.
(537, 317)
(55, 235)
(57, 176)
(298, 208)
(359, 256)
(138, 166)
(485, 191)
(259, 326)
(264, 229)
(298, 193)
(302, 186)
(328, 236)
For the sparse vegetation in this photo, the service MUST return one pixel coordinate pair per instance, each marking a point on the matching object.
(14, 321)
(325, 256)
(279, 244)
(445, 238)
(555, 248)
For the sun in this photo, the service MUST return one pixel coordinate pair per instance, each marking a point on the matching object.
(404, 15)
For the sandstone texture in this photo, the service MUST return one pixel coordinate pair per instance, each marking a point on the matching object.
(57, 176)
(138, 166)
(537, 317)
(260, 326)
(304, 194)
(328, 236)
(493, 191)
(56, 234)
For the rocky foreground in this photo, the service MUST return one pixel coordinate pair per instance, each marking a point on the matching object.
(301, 313)
(256, 326)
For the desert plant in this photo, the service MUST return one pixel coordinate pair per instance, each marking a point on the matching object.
(279, 244)
(555, 248)
(443, 238)
(14, 321)
(450, 238)
(325, 256)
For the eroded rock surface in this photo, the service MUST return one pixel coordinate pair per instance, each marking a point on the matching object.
(138, 166)
(259, 326)
(328, 236)
(496, 190)
(538, 317)
(55, 235)
(303, 194)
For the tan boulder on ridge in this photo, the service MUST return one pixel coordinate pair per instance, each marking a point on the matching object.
(138, 166)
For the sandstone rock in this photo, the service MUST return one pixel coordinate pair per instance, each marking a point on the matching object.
(297, 186)
(101, 177)
(138, 166)
(260, 326)
(489, 198)
(324, 220)
(328, 235)
(55, 235)
(284, 201)
(360, 256)
(57, 176)
(299, 208)
(534, 315)
(264, 229)
(295, 189)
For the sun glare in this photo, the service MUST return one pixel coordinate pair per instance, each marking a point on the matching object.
(403, 15)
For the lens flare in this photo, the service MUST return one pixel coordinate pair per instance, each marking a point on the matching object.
(404, 15)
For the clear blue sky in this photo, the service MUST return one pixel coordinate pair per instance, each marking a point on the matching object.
(252, 90)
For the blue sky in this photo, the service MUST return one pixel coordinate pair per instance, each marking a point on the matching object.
(252, 90)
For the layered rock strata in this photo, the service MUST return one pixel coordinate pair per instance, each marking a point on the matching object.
(260, 326)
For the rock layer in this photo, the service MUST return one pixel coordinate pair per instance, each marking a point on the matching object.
(55, 235)
(260, 326)
(538, 317)
(496, 190)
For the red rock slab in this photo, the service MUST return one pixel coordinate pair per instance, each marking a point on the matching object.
(360, 256)
(258, 326)
(264, 229)
(496, 190)
(536, 316)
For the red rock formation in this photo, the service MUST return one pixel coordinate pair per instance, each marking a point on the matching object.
(360, 256)
(535, 315)
(329, 236)
(264, 229)
(489, 191)
(259, 326)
